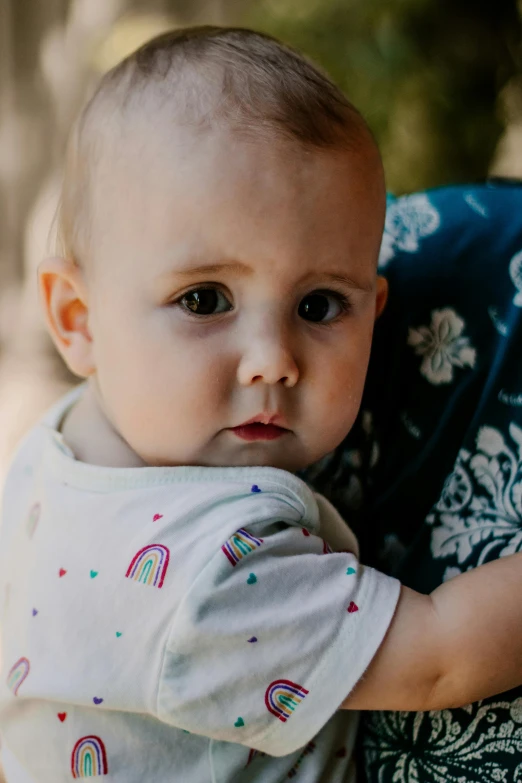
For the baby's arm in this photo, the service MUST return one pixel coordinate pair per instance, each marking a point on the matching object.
(285, 628)
(460, 644)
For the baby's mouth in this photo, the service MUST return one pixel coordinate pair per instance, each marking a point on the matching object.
(258, 431)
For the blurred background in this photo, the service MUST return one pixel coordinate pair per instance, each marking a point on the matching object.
(438, 80)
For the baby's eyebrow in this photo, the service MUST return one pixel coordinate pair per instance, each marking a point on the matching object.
(362, 285)
(214, 268)
(241, 269)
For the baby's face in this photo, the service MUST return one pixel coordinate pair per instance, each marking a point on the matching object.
(234, 281)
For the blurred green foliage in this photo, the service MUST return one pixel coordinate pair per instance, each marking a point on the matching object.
(426, 74)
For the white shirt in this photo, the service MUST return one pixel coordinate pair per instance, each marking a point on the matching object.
(177, 624)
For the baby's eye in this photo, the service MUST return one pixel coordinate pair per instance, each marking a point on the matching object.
(322, 306)
(205, 301)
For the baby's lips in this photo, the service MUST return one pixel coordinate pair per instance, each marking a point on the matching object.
(258, 431)
(276, 419)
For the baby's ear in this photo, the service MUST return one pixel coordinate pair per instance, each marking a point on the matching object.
(63, 292)
(382, 295)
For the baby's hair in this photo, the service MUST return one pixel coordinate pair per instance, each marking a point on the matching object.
(204, 76)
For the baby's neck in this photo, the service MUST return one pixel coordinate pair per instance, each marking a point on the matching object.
(92, 438)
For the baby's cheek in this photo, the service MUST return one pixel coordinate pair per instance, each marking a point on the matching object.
(345, 382)
(341, 402)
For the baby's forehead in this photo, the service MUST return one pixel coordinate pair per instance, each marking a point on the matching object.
(167, 197)
(167, 167)
(154, 156)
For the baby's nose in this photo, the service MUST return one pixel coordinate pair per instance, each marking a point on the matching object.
(268, 360)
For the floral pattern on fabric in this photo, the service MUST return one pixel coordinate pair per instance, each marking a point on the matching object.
(515, 272)
(470, 745)
(442, 346)
(480, 509)
(408, 220)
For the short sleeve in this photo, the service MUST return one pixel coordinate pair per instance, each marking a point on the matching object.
(271, 638)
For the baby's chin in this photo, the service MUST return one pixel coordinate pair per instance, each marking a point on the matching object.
(251, 456)
(290, 456)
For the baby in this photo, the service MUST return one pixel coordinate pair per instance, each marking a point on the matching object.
(177, 604)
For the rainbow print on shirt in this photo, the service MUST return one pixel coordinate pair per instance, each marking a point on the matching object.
(89, 758)
(239, 545)
(149, 565)
(282, 697)
(17, 674)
